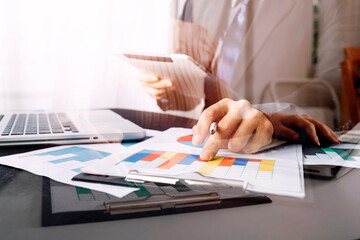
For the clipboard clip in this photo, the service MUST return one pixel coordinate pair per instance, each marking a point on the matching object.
(143, 175)
(171, 201)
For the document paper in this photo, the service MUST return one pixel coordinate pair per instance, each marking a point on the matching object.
(277, 171)
(346, 155)
(64, 162)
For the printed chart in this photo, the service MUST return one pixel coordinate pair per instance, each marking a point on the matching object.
(172, 155)
(221, 167)
(85, 194)
(66, 198)
(332, 153)
(62, 163)
(146, 189)
(71, 158)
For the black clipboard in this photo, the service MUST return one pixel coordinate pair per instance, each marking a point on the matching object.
(119, 209)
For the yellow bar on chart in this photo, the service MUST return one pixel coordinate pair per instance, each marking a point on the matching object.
(168, 155)
(267, 165)
(210, 166)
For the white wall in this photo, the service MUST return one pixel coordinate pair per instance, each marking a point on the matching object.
(60, 54)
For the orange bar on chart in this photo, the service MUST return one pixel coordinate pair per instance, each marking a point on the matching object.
(173, 161)
(227, 162)
(210, 166)
(153, 156)
(267, 165)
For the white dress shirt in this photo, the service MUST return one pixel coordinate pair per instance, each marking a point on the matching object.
(277, 43)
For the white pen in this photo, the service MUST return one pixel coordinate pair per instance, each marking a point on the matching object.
(213, 127)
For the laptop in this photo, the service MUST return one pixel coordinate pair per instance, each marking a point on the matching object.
(70, 127)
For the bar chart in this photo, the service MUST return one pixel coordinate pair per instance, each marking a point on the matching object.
(72, 158)
(342, 154)
(221, 167)
(144, 190)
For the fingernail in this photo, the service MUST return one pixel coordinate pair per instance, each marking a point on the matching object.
(197, 140)
(205, 155)
(168, 83)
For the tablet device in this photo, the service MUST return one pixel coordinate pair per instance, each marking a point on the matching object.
(169, 66)
(187, 76)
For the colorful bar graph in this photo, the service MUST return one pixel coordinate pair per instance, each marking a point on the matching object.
(232, 168)
(332, 153)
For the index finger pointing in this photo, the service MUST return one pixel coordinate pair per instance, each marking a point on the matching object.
(211, 147)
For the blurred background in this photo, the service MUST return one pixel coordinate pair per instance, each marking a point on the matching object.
(61, 54)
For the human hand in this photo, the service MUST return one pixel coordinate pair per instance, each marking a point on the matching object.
(174, 94)
(155, 86)
(283, 123)
(240, 128)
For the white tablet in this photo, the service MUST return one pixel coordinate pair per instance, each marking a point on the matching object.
(170, 66)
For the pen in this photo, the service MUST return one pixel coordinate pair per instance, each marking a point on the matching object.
(213, 127)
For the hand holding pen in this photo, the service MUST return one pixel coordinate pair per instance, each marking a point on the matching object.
(240, 127)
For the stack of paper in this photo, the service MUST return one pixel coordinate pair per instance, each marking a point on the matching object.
(172, 155)
(168, 155)
(64, 162)
(347, 155)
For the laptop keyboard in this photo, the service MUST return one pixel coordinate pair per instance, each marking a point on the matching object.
(39, 123)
